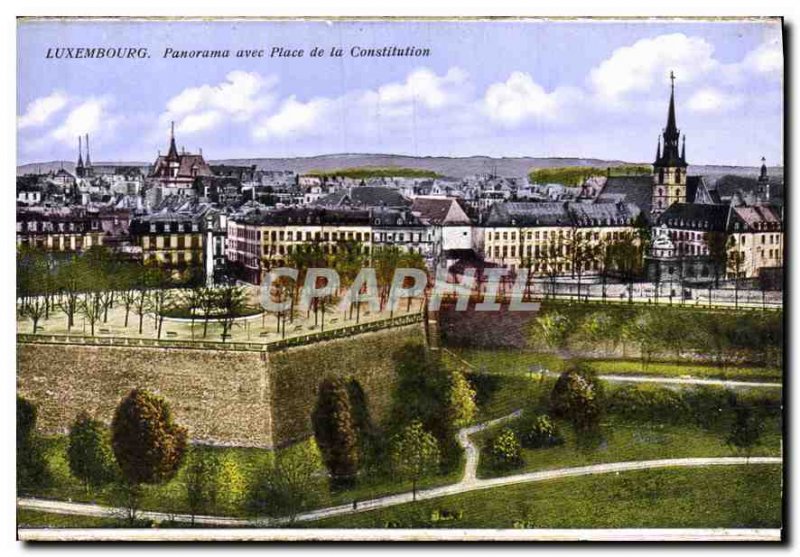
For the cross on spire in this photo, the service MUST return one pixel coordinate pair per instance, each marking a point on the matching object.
(672, 79)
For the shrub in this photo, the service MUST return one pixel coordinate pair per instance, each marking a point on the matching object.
(89, 453)
(577, 396)
(32, 468)
(540, 432)
(505, 450)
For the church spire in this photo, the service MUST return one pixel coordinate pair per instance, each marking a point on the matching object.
(88, 160)
(683, 148)
(672, 127)
(172, 154)
(80, 154)
(658, 150)
(671, 155)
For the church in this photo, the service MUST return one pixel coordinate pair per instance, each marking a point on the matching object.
(175, 172)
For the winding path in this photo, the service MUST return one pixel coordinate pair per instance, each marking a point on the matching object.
(469, 482)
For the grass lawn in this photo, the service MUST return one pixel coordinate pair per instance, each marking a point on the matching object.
(242, 466)
(714, 497)
(624, 441)
(518, 362)
(27, 518)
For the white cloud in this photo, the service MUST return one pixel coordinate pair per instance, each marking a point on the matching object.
(520, 98)
(39, 111)
(423, 86)
(709, 99)
(295, 117)
(648, 62)
(767, 58)
(87, 117)
(239, 98)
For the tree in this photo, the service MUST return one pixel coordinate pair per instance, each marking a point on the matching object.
(423, 393)
(718, 254)
(231, 302)
(577, 396)
(89, 453)
(200, 478)
(414, 454)
(31, 464)
(290, 485)
(149, 446)
(462, 400)
(540, 432)
(643, 329)
(335, 431)
(626, 255)
(505, 449)
(555, 328)
(736, 260)
(746, 430)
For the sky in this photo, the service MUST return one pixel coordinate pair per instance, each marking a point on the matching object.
(539, 88)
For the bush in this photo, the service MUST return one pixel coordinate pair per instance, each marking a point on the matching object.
(505, 450)
(578, 397)
(32, 468)
(540, 432)
(89, 452)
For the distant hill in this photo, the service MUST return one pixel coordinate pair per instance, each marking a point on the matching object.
(456, 167)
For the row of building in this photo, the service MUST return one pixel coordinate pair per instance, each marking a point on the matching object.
(217, 218)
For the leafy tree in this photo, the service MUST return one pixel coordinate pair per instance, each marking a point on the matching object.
(31, 464)
(554, 328)
(736, 261)
(89, 453)
(423, 393)
(335, 431)
(505, 449)
(149, 446)
(290, 485)
(414, 454)
(540, 432)
(577, 396)
(746, 430)
(200, 478)
(462, 400)
(718, 254)
(645, 330)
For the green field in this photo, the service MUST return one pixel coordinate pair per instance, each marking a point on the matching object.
(621, 440)
(246, 464)
(715, 497)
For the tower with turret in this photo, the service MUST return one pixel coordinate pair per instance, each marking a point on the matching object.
(669, 168)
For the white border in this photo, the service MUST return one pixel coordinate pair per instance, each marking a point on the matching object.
(574, 8)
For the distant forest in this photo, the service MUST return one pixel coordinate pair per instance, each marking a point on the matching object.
(577, 175)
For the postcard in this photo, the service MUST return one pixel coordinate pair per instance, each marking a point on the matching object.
(400, 279)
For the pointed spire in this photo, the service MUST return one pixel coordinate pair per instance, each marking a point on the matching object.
(88, 160)
(173, 150)
(683, 148)
(80, 154)
(658, 149)
(672, 127)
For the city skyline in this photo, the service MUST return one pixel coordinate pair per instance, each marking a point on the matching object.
(475, 94)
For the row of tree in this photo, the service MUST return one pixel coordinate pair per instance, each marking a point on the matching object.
(663, 331)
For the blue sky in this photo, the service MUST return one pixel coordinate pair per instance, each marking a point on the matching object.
(523, 88)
